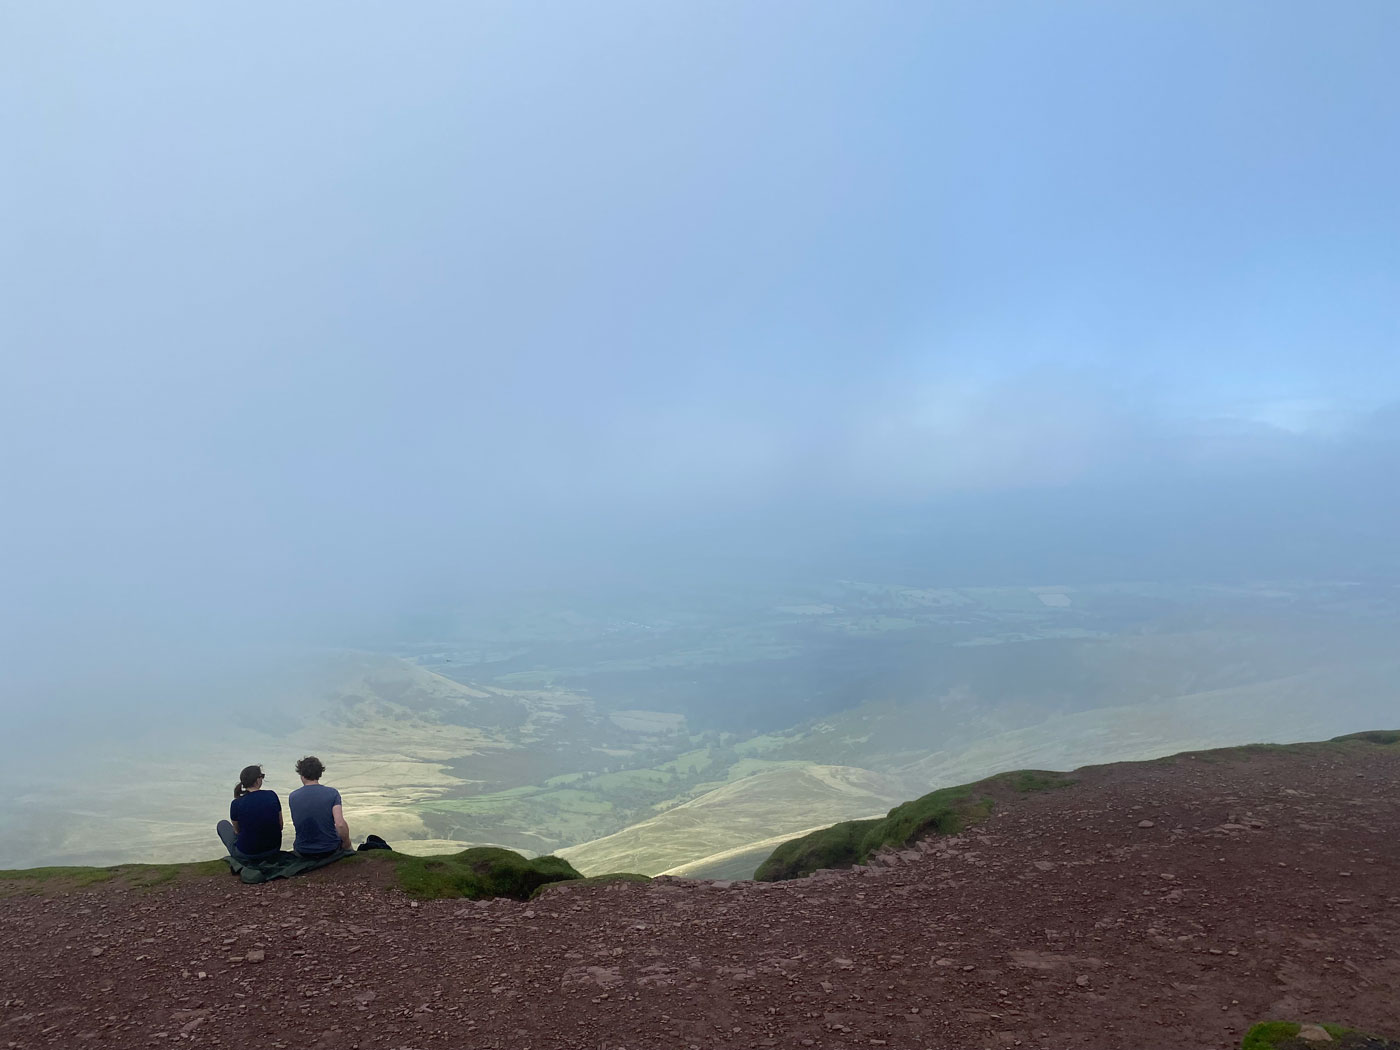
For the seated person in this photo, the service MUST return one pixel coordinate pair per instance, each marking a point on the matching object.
(316, 813)
(254, 827)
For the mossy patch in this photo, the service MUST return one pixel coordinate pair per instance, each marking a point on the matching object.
(943, 812)
(1268, 1034)
(479, 872)
(59, 880)
(1283, 1035)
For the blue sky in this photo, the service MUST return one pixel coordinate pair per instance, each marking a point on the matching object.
(290, 298)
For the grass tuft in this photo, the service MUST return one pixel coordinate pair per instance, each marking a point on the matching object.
(1283, 1035)
(1268, 1034)
(479, 873)
(1373, 736)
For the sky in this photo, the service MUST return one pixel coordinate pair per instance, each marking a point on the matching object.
(307, 313)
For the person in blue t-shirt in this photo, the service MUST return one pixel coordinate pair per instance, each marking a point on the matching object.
(254, 825)
(316, 813)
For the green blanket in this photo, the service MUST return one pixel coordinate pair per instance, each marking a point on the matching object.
(282, 866)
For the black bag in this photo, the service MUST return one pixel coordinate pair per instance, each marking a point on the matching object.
(373, 842)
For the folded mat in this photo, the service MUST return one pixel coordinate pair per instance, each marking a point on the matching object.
(281, 865)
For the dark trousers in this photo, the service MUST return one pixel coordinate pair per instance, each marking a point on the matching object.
(229, 838)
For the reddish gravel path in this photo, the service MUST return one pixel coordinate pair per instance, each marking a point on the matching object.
(1267, 887)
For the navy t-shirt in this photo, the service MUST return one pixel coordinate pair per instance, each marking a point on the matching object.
(256, 814)
(311, 813)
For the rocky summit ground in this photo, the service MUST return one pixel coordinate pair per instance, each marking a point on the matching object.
(1165, 904)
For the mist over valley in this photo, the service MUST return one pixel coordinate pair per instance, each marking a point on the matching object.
(689, 730)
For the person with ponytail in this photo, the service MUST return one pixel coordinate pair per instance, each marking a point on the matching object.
(254, 827)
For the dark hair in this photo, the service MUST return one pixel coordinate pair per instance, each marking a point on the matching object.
(246, 780)
(310, 767)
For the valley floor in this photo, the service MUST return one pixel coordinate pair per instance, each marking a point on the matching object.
(1168, 903)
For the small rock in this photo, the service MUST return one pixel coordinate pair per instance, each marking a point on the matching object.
(1146, 824)
(96, 952)
(255, 955)
(1314, 1033)
(1044, 865)
(1082, 980)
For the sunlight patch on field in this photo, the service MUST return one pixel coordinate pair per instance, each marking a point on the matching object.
(778, 802)
(649, 722)
(435, 847)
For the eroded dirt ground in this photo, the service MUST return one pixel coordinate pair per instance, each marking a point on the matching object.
(1161, 904)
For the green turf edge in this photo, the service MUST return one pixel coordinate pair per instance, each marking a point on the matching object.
(476, 873)
(1379, 737)
(1383, 737)
(67, 879)
(946, 811)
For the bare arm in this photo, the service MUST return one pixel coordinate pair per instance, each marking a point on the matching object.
(338, 815)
